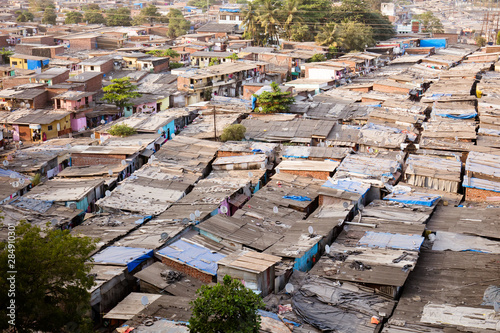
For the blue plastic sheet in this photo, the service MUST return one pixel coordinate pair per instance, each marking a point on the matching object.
(297, 198)
(414, 198)
(130, 256)
(274, 316)
(394, 241)
(438, 43)
(193, 255)
(230, 10)
(462, 116)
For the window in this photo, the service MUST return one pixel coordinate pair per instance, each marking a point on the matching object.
(49, 128)
(14, 63)
(91, 68)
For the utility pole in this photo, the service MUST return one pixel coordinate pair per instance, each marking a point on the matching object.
(215, 126)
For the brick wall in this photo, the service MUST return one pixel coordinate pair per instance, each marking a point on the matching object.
(451, 38)
(492, 48)
(94, 84)
(3, 41)
(45, 40)
(249, 90)
(12, 81)
(24, 49)
(477, 195)
(81, 159)
(365, 89)
(82, 44)
(162, 67)
(188, 270)
(40, 101)
(277, 59)
(390, 89)
(107, 67)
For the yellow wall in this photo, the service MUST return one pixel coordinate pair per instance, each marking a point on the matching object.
(65, 124)
(133, 64)
(21, 63)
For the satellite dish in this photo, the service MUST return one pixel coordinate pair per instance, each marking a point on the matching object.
(250, 174)
(391, 169)
(197, 213)
(15, 184)
(68, 146)
(260, 108)
(327, 249)
(12, 175)
(72, 205)
(275, 210)
(172, 136)
(384, 179)
(223, 210)
(289, 288)
(140, 143)
(277, 170)
(124, 162)
(22, 104)
(21, 181)
(185, 220)
(103, 121)
(263, 166)
(92, 136)
(144, 300)
(345, 204)
(5, 163)
(110, 172)
(164, 236)
(310, 229)
(399, 157)
(192, 217)
(107, 193)
(28, 105)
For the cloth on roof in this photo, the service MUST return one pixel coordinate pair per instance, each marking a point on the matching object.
(297, 198)
(388, 240)
(348, 186)
(130, 256)
(415, 198)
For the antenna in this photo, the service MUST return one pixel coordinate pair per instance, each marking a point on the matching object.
(103, 121)
(223, 210)
(28, 105)
(289, 288)
(72, 205)
(107, 193)
(275, 209)
(327, 249)
(192, 217)
(5, 163)
(391, 169)
(345, 204)
(92, 136)
(310, 229)
(197, 213)
(110, 172)
(12, 175)
(250, 174)
(164, 236)
(124, 162)
(144, 300)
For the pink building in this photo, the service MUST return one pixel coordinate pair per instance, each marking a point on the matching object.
(80, 102)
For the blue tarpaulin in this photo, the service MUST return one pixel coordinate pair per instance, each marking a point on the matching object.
(297, 198)
(230, 10)
(274, 316)
(414, 198)
(193, 255)
(394, 241)
(462, 116)
(438, 43)
(130, 256)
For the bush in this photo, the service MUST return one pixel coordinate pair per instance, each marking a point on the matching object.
(174, 65)
(121, 130)
(234, 132)
(36, 179)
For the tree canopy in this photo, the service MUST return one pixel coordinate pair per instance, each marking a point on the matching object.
(118, 17)
(73, 17)
(164, 53)
(177, 24)
(235, 132)
(274, 101)
(52, 280)
(430, 23)
(49, 16)
(149, 14)
(228, 307)
(40, 5)
(120, 92)
(93, 14)
(24, 16)
(6, 54)
(318, 57)
(122, 130)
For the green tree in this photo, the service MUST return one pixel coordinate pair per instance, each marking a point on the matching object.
(359, 11)
(328, 35)
(122, 130)
(250, 18)
(118, 17)
(177, 24)
(269, 12)
(49, 16)
(318, 57)
(234, 57)
(274, 101)
(174, 65)
(315, 14)
(235, 132)
(480, 41)
(354, 36)
(498, 38)
(228, 307)
(93, 15)
(200, 3)
(6, 54)
(290, 16)
(430, 23)
(300, 33)
(52, 283)
(164, 53)
(73, 17)
(37, 179)
(207, 93)
(213, 62)
(40, 5)
(149, 14)
(24, 16)
(120, 92)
